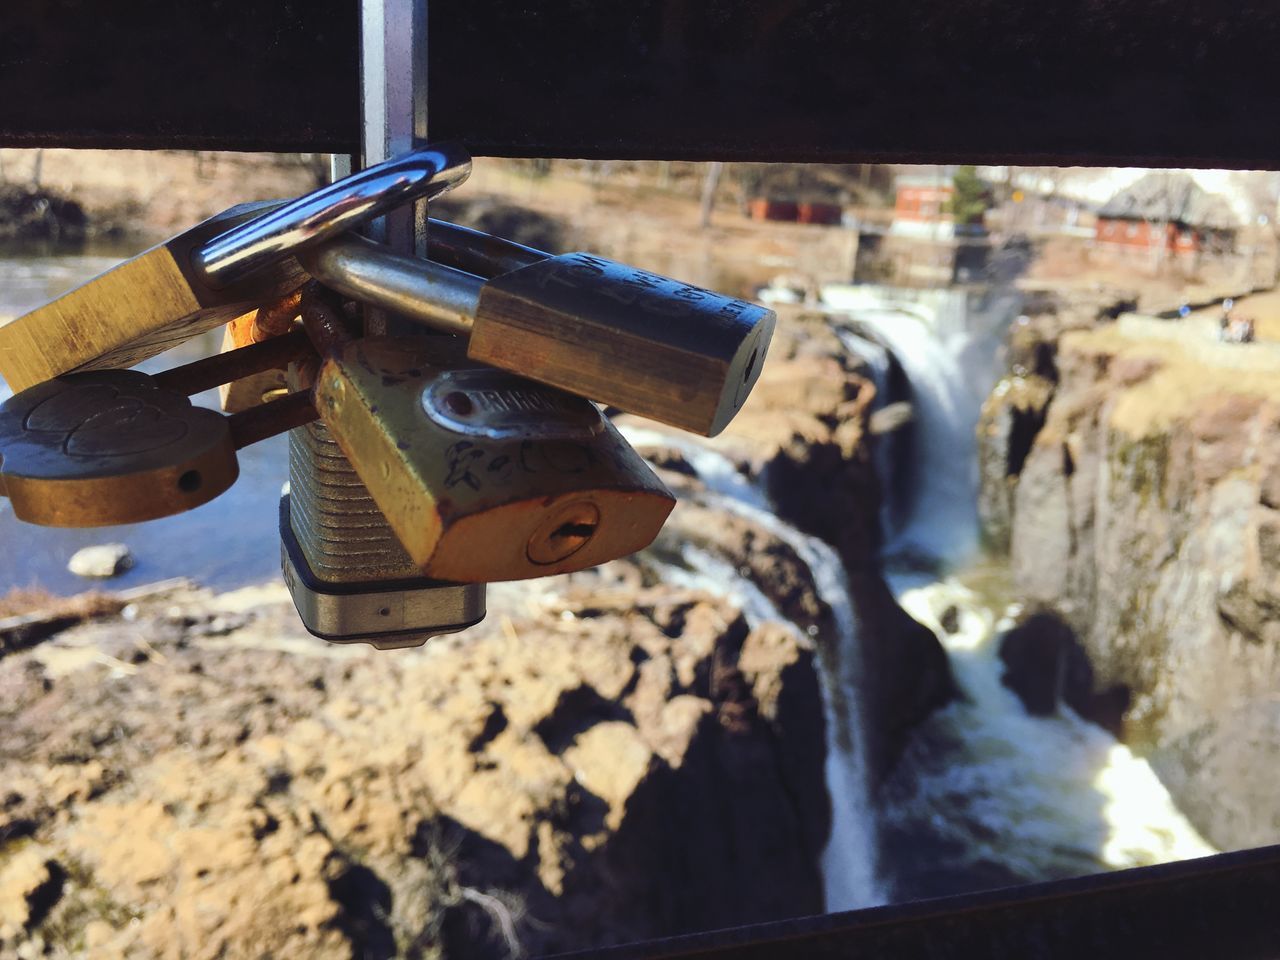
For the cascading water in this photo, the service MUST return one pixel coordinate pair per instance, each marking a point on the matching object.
(849, 861)
(986, 794)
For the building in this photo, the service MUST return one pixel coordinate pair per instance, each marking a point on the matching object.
(922, 208)
(924, 247)
(1166, 218)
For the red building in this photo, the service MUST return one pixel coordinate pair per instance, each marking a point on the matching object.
(1166, 216)
(922, 200)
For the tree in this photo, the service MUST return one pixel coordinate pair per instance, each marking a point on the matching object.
(971, 198)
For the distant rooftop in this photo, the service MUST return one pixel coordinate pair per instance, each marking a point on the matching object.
(1173, 197)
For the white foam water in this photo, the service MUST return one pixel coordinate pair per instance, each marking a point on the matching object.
(849, 860)
(1041, 796)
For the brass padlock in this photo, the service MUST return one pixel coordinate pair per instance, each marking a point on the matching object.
(484, 476)
(625, 337)
(103, 447)
(210, 274)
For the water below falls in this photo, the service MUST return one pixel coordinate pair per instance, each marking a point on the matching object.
(987, 795)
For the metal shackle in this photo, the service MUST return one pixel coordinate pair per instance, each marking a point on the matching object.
(344, 205)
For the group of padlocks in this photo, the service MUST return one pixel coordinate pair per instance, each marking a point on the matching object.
(479, 448)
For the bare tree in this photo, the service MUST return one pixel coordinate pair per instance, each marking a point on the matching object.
(709, 185)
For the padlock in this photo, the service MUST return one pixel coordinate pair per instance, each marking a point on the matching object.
(485, 476)
(209, 275)
(625, 337)
(103, 447)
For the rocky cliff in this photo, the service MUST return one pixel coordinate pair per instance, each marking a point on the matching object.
(610, 757)
(1134, 473)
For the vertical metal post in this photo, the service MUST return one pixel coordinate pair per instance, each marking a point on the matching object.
(349, 575)
(393, 72)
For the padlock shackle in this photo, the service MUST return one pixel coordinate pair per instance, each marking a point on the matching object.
(480, 253)
(272, 418)
(349, 203)
(429, 293)
(206, 373)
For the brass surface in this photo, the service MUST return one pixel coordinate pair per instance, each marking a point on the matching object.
(258, 326)
(137, 309)
(108, 447)
(471, 507)
(625, 337)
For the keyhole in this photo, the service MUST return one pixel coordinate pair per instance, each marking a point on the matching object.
(580, 530)
(564, 533)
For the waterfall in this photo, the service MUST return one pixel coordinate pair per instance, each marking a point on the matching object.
(849, 861)
(950, 363)
(987, 794)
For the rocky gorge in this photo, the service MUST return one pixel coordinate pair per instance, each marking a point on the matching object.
(621, 754)
(1131, 469)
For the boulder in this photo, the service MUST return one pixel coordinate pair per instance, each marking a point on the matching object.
(1047, 667)
(101, 562)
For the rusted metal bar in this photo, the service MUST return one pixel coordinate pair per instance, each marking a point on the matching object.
(213, 371)
(1126, 81)
(1221, 907)
(275, 416)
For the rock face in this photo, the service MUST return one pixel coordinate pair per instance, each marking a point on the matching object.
(1146, 512)
(579, 772)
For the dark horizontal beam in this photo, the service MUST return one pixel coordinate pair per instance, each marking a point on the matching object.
(1151, 82)
(1221, 907)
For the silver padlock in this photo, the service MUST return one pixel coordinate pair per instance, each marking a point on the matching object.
(591, 326)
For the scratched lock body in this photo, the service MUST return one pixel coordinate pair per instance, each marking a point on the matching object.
(621, 336)
(209, 275)
(138, 309)
(485, 476)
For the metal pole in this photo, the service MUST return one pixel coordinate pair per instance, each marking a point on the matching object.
(393, 78)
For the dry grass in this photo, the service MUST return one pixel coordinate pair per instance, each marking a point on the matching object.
(1192, 371)
(21, 601)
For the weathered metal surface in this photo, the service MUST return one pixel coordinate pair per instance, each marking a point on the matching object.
(482, 475)
(137, 309)
(1222, 907)
(110, 446)
(1086, 81)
